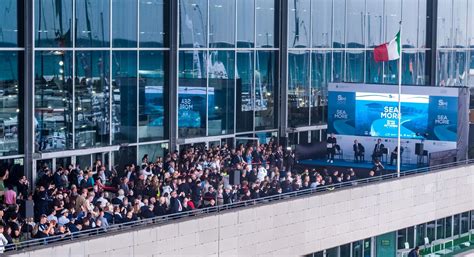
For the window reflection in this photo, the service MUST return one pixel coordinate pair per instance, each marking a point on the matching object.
(9, 23)
(265, 90)
(92, 23)
(192, 94)
(53, 100)
(245, 23)
(245, 91)
(355, 22)
(53, 23)
(321, 14)
(9, 88)
(299, 23)
(355, 66)
(92, 90)
(220, 100)
(193, 23)
(124, 97)
(265, 23)
(298, 88)
(124, 22)
(320, 74)
(153, 23)
(222, 23)
(339, 24)
(152, 88)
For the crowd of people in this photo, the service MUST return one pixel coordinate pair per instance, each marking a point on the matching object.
(71, 199)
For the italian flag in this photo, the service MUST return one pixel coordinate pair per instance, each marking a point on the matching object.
(388, 51)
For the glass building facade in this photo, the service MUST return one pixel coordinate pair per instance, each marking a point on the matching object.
(83, 80)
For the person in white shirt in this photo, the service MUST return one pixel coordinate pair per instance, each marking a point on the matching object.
(3, 240)
(262, 173)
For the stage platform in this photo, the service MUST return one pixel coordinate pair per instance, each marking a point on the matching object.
(342, 164)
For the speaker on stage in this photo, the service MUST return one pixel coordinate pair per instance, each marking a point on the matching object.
(419, 148)
(234, 178)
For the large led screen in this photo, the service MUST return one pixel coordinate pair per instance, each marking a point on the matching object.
(361, 112)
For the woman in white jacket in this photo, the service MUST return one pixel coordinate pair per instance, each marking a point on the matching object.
(3, 240)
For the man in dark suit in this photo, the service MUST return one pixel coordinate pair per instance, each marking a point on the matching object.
(378, 150)
(393, 155)
(359, 151)
(331, 147)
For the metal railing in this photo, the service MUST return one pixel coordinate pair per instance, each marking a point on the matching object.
(26, 245)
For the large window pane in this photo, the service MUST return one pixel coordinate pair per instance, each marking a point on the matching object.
(53, 23)
(220, 93)
(374, 70)
(265, 23)
(298, 88)
(355, 23)
(245, 91)
(401, 238)
(457, 225)
(153, 151)
(357, 248)
(420, 234)
(9, 88)
(445, 21)
(355, 66)
(460, 23)
(445, 68)
(192, 105)
(53, 100)
(321, 13)
(345, 250)
(222, 23)
(449, 227)
(393, 9)
(339, 23)
(430, 230)
(152, 85)
(9, 15)
(124, 22)
(245, 23)
(410, 19)
(92, 23)
(299, 23)
(470, 25)
(92, 126)
(338, 66)
(374, 22)
(265, 90)
(124, 98)
(464, 222)
(193, 23)
(440, 229)
(422, 23)
(320, 74)
(153, 16)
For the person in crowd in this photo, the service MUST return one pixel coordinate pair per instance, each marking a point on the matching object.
(331, 147)
(394, 154)
(378, 167)
(73, 199)
(359, 151)
(415, 252)
(378, 150)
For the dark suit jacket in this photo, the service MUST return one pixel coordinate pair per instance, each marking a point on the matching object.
(361, 148)
(380, 148)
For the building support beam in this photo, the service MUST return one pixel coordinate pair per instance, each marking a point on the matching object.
(173, 75)
(431, 42)
(283, 70)
(27, 103)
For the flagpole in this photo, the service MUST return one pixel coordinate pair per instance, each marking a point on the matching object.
(399, 103)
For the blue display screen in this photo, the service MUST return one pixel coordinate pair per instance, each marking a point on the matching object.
(376, 115)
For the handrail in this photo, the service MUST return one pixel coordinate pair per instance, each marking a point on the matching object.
(23, 245)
